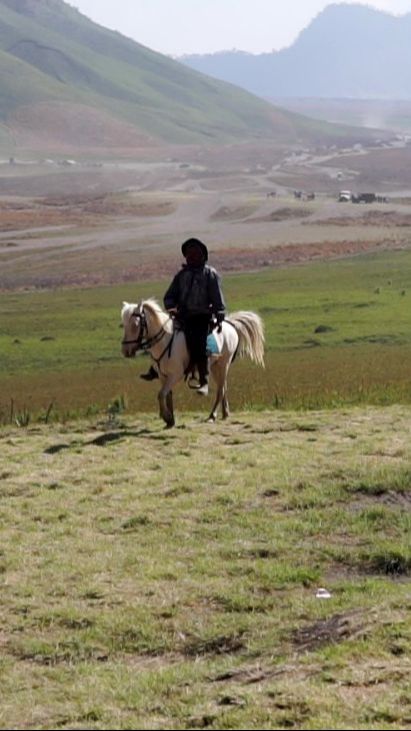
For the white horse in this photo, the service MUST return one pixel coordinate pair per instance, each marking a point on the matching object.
(148, 328)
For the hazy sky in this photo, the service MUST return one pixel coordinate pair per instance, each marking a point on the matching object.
(176, 27)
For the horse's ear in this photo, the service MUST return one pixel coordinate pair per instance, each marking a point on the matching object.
(125, 304)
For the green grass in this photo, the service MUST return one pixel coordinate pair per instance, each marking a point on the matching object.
(168, 580)
(337, 333)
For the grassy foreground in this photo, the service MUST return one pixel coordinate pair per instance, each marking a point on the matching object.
(168, 579)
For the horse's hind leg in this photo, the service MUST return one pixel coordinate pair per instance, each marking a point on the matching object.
(213, 412)
(224, 399)
(224, 404)
(219, 373)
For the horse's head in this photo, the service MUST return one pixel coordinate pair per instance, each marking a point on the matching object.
(132, 317)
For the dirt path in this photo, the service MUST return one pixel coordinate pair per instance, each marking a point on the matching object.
(118, 233)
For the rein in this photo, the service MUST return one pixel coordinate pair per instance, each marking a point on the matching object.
(166, 349)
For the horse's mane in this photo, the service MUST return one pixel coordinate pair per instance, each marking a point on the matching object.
(153, 308)
(154, 311)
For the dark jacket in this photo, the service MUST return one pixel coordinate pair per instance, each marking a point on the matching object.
(195, 291)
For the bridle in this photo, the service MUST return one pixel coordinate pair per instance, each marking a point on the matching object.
(142, 341)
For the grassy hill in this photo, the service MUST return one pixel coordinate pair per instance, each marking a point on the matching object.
(53, 57)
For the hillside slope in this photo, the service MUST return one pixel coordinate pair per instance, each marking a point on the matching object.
(52, 57)
(348, 51)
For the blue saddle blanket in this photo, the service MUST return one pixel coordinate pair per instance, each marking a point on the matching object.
(212, 345)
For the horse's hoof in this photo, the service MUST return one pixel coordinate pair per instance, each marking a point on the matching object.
(210, 420)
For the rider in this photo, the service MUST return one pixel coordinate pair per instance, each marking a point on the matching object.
(195, 297)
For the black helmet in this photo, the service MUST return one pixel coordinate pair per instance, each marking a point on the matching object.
(194, 242)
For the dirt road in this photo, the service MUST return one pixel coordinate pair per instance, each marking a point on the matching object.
(119, 221)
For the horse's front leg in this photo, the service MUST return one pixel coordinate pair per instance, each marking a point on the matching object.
(169, 404)
(165, 400)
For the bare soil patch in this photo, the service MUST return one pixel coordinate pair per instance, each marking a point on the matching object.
(337, 628)
(249, 259)
(109, 271)
(282, 214)
(76, 210)
(389, 168)
(369, 218)
(111, 205)
(64, 126)
(227, 213)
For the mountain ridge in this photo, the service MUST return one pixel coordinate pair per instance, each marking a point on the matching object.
(346, 51)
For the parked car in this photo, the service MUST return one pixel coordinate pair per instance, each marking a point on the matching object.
(344, 196)
(364, 198)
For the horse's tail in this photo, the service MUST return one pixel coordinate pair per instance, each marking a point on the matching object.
(250, 330)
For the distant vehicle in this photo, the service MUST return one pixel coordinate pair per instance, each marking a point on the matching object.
(364, 198)
(302, 195)
(344, 196)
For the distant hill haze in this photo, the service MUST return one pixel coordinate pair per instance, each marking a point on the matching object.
(347, 51)
(67, 82)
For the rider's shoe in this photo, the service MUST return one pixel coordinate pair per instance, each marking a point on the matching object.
(150, 376)
(203, 389)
